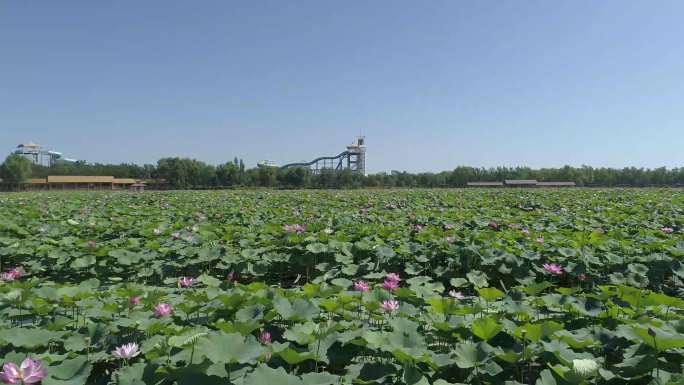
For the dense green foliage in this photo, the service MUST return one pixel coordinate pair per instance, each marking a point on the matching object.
(606, 309)
(15, 169)
(190, 173)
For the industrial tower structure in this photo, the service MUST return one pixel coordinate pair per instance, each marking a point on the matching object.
(354, 159)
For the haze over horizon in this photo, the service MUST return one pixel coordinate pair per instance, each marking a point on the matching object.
(431, 85)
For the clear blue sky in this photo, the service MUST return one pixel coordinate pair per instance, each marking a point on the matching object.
(432, 84)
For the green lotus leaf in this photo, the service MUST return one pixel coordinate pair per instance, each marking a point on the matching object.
(468, 354)
(76, 371)
(130, 375)
(250, 313)
(221, 347)
(209, 280)
(317, 248)
(302, 334)
(458, 282)
(294, 357)
(486, 328)
(477, 278)
(662, 340)
(266, 375)
(83, 262)
(75, 343)
(29, 338)
(490, 293)
(536, 331)
(125, 257)
(384, 252)
(442, 382)
(546, 378)
(320, 379)
(536, 288)
(413, 376)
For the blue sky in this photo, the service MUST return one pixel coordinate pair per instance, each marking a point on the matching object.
(431, 84)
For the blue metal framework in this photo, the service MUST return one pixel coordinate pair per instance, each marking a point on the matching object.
(353, 159)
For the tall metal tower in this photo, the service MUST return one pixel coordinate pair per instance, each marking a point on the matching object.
(357, 155)
(31, 151)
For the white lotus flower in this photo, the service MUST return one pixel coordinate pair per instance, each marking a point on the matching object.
(585, 367)
(126, 351)
(456, 294)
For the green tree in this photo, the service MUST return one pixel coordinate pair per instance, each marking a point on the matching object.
(228, 174)
(16, 169)
(267, 176)
(296, 177)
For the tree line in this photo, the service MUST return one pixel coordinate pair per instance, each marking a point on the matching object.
(184, 173)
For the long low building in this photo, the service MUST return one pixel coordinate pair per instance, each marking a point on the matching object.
(81, 182)
(485, 184)
(556, 184)
(78, 182)
(521, 183)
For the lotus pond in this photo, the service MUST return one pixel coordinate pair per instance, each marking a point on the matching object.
(439, 287)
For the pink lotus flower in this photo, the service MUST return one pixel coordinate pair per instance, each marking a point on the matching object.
(134, 300)
(186, 281)
(393, 277)
(526, 231)
(11, 274)
(163, 309)
(91, 244)
(30, 372)
(450, 239)
(231, 276)
(540, 240)
(390, 285)
(581, 277)
(667, 230)
(553, 268)
(391, 282)
(456, 294)
(296, 228)
(188, 238)
(418, 228)
(362, 286)
(126, 351)
(389, 305)
(265, 337)
(449, 226)
(494, 225)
